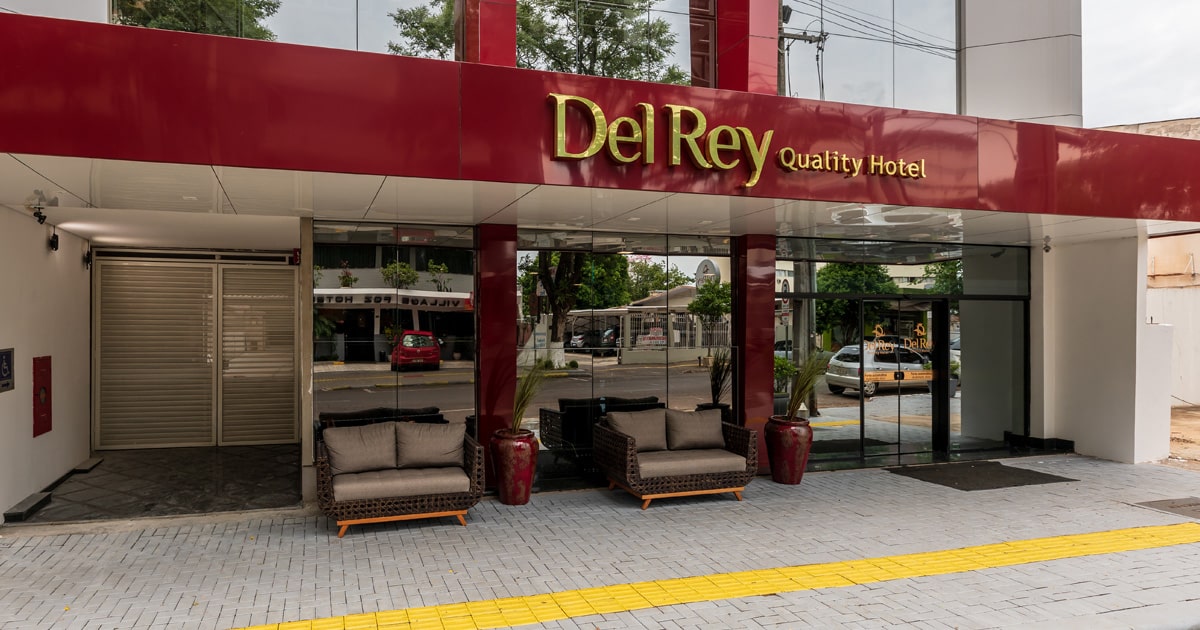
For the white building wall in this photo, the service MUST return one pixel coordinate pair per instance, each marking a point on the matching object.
(1103, 381)
(1180, 308)
(1021, 60)
(86, 10)
(44, 312)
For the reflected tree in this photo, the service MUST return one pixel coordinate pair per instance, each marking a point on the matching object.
(233, 18)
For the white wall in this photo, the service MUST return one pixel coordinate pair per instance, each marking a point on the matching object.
(88, 10)
(44, 311)
(1022, 60)
(1098, 380)
(1180, 307)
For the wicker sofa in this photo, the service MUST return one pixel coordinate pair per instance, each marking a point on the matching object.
(662, 453)
(359, 417)
(395, 471)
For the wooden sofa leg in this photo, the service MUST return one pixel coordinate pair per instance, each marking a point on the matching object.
(464, 521)
(646, 503)
(738, 494)
(611, 484)
(342, 531)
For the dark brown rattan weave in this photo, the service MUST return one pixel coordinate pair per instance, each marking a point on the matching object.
(616, 455)
(383, 507)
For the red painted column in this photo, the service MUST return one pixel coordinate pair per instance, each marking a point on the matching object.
(495, 328)
(486, 31)
(748, 45)
(754, 333)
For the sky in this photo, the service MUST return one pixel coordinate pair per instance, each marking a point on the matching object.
(1140, 61)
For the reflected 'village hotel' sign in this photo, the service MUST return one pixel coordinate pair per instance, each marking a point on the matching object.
(630, 139)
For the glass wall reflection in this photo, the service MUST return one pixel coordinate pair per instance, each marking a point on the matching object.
(612, 317)
(892, 53)
(393, 324)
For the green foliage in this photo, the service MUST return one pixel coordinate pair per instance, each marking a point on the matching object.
(803, 382)
(317, 274)
(611, 39)
(346, 278)
(712, 302)
(527, 387)
(840, 317)
(323, 327)
(437, 273)
(547, 364)
(784, 371)
(646, 276)
(399, 275)
(720, 375)
(233, 18)
(947, 277)
(573, 364)
(605, 282)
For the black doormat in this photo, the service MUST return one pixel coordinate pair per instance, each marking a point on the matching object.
(1187, 506)
(843, 446)
(983, 475)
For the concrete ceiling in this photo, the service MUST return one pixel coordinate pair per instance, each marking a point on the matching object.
(137, 204)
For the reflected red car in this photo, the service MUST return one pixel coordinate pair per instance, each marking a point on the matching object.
(416, 348)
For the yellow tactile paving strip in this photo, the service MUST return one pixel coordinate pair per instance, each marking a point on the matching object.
(834, 423)
(515, 611)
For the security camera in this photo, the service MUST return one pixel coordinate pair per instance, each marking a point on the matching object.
(1046, 244)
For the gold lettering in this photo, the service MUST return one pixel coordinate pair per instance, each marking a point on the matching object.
(675, 157)
(715, 146)
(787, 159)
(615, 139)
(913, 170)
(648, 126)
(876, 164)
(922, 168)
(757, 153)
(857, 162)
(599, 127)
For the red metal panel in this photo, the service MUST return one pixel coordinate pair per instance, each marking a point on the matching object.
(496, 327)
(747, 45)
(42, 396)
(754, 334)
(498, 32)
(106, 91)
(142, 94)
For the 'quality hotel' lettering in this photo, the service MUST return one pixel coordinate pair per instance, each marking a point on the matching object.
(631, 139)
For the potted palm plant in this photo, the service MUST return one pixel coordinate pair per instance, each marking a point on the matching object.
(789, 436)
(720, 381)
(514, 449)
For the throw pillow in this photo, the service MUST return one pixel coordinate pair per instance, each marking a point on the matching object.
(362, 448)
(421, 445)
(694, 429)
(647, 428)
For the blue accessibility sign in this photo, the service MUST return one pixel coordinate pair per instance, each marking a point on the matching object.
(7, 369)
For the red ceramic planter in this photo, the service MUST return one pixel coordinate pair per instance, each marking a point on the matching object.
(788, 446)
(514, 457)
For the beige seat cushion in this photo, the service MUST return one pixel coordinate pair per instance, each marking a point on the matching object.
(647, 428)
(694, 429)
(420, 445)
(357, 449)
(399, 482)
(697, 461)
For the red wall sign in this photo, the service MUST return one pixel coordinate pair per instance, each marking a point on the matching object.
(41, 396)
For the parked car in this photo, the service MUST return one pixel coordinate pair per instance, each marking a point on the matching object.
(783, 349)
(846, 366)
(608, 342)
(416, 348)
(576, 341)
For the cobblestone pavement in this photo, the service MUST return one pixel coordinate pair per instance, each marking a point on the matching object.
(242, 569)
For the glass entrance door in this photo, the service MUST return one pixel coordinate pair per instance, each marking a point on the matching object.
(895, 401)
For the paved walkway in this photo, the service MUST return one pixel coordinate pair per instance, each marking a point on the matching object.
(851, 549)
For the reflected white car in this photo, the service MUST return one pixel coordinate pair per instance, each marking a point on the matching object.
(845, 367)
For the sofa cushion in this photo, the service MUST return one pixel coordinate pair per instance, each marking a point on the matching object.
(406, 482)
(697, 461)
(420, 445)
(694, 429)
(647, 428)
(366, 447)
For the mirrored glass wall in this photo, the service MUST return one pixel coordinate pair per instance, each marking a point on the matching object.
(393, 323)
(889, 321)
(622, 322)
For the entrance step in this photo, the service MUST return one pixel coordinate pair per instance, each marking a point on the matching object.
(24, 509)
(87, 465)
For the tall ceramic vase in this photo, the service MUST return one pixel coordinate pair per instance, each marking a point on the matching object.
(514, 456)
(789, 443)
